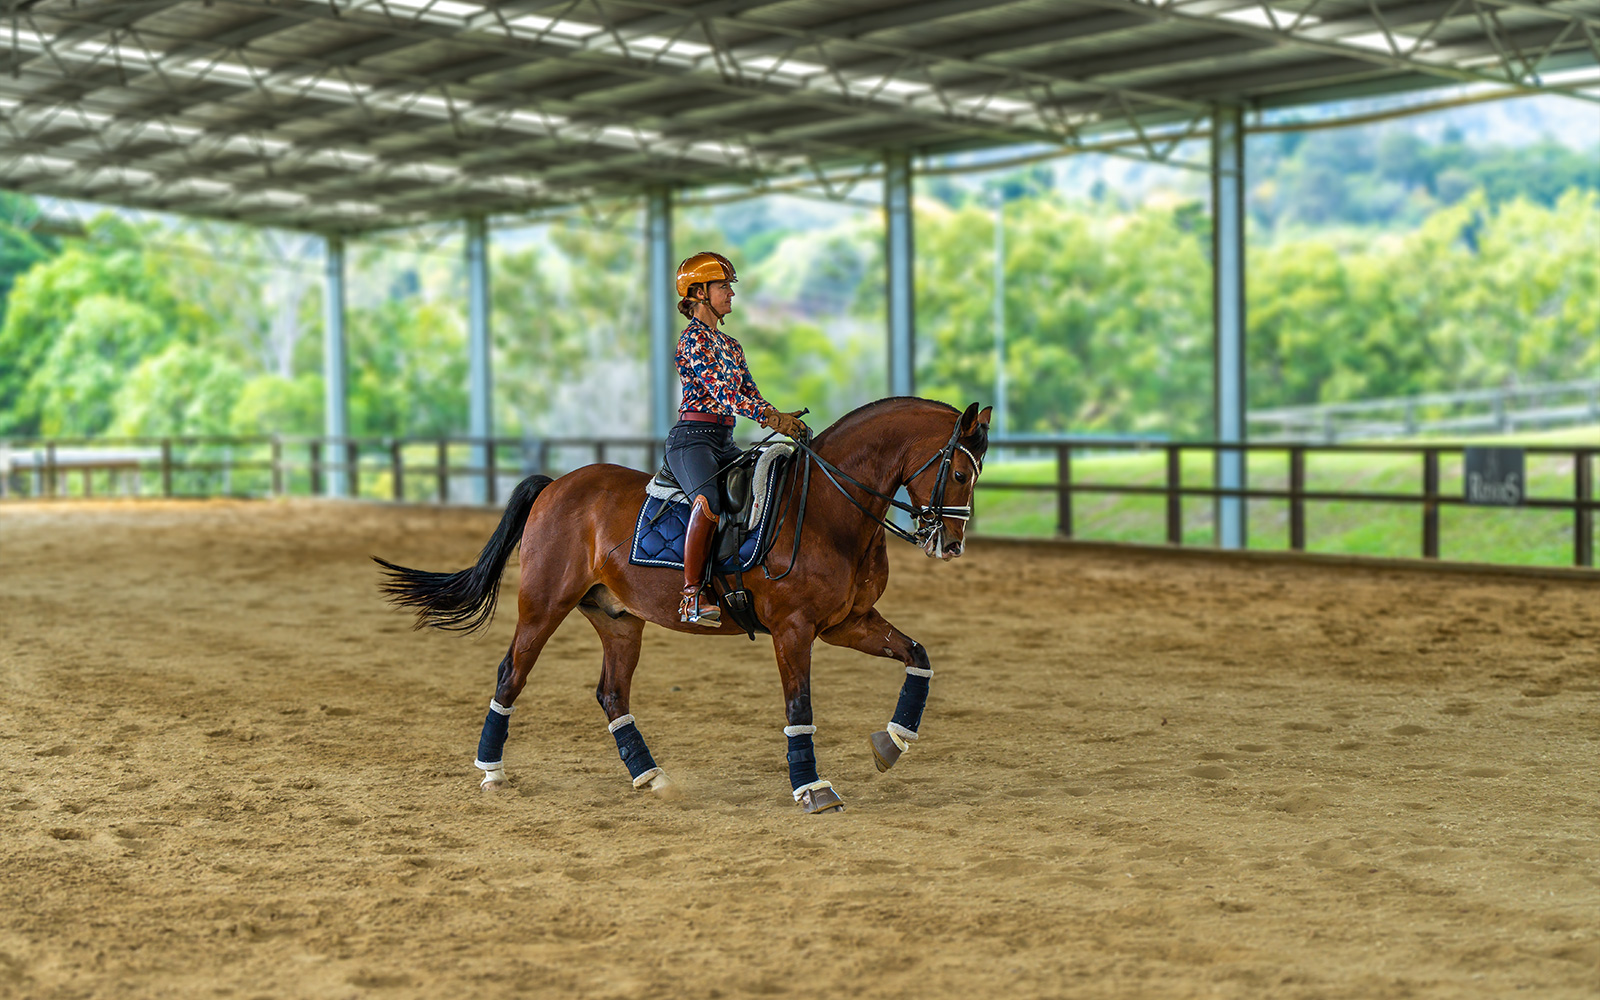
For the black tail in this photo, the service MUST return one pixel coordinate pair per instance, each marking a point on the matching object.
(464, 601)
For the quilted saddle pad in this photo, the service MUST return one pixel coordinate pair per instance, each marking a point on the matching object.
(658, 534)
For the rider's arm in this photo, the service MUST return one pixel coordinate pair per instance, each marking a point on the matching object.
(750, 402)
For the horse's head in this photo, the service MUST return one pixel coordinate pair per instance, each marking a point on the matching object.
(942, 488)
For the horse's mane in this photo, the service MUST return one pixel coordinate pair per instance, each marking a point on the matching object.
(869, 410)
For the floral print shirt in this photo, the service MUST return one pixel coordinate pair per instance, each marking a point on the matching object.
(715, 376)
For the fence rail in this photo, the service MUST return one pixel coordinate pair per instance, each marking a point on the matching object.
(1473, 411)
(482, 470)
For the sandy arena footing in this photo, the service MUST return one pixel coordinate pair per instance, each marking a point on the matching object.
(229, 769)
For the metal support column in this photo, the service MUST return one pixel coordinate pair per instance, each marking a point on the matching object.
(480, 378)
(1227, 242)
(660, 281)
(898, 257)
(1002, 423)
(335, 369)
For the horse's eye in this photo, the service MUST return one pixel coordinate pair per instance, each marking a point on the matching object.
(961, 477)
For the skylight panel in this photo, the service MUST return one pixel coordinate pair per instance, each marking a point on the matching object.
(563, 30)
(436, 11)
(1381, 42)
(1267, 16)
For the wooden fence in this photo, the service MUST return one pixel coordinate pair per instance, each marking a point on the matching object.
(450, 470)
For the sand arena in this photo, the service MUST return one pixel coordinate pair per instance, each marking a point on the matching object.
(230, 770)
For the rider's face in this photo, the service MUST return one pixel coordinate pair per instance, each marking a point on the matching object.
(720, 295)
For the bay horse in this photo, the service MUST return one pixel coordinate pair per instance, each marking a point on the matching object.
(573, 537)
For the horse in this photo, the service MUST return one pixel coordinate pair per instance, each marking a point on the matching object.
(826, 567)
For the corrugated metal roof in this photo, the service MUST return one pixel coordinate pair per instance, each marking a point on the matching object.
(347, 116)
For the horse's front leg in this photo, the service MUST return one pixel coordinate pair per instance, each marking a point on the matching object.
(871, 633)
(793, 648)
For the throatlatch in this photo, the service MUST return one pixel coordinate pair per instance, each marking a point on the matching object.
(492, 742)
(630, 746)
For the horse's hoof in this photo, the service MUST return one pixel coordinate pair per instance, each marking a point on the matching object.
(884, 751)
(820, 800)
(492, 786)
(665, 788)
(493, 781)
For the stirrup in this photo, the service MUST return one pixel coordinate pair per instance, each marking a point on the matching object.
(689, 610)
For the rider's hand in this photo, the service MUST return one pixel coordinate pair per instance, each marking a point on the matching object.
(788, 424)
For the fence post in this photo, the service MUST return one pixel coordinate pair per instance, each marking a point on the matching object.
(352, 468)
(1174, 494)
(277, 466)
(316, 468)
(1430, 503)
(88, 481)
(599, 452)
(544, 457)
(166, 467)
(1583, 517)
(1064, 490)
(397, 471)
(1297, 502)
(443, 470)
(5, 469)
(50, 469)
(491, 472)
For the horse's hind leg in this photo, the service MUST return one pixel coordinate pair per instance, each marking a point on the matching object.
(619, 642)
(871, 633)
(513, 674)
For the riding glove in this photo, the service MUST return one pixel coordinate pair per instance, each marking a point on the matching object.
(788, 424)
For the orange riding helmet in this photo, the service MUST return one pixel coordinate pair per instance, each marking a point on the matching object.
(702, 267)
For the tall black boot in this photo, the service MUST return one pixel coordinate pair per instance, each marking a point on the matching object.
(696, 549)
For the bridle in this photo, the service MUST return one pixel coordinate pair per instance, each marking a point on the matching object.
(929, 517)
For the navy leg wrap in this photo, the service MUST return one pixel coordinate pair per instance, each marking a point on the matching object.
(630, 745)
(802, 761)
(492, 744)
(913, 698)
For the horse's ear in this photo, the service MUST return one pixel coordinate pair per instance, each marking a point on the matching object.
(968, 417)
(984, 414)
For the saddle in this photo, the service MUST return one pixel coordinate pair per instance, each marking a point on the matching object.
(746, 488)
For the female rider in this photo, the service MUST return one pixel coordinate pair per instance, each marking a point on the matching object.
(717, 388)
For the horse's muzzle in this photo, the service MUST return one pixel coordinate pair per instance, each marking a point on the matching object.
(935, 547)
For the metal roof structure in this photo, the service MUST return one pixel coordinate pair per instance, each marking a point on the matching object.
(364, 114)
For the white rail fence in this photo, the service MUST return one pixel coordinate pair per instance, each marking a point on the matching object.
(1477, 411)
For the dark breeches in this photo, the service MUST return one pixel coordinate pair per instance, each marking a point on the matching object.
(695, 451)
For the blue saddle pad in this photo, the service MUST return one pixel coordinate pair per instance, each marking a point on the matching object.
(658, 540)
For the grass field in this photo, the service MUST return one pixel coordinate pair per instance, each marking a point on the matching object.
(1519, 536)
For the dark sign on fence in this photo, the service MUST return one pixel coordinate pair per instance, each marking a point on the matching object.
(1494, 476)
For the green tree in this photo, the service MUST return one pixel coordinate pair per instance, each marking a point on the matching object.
(20, 247)
(570, 330)
(111, 262)
(1107, 316)
(185, 389)
(408, 371)
(73, 390)
(272, 404)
